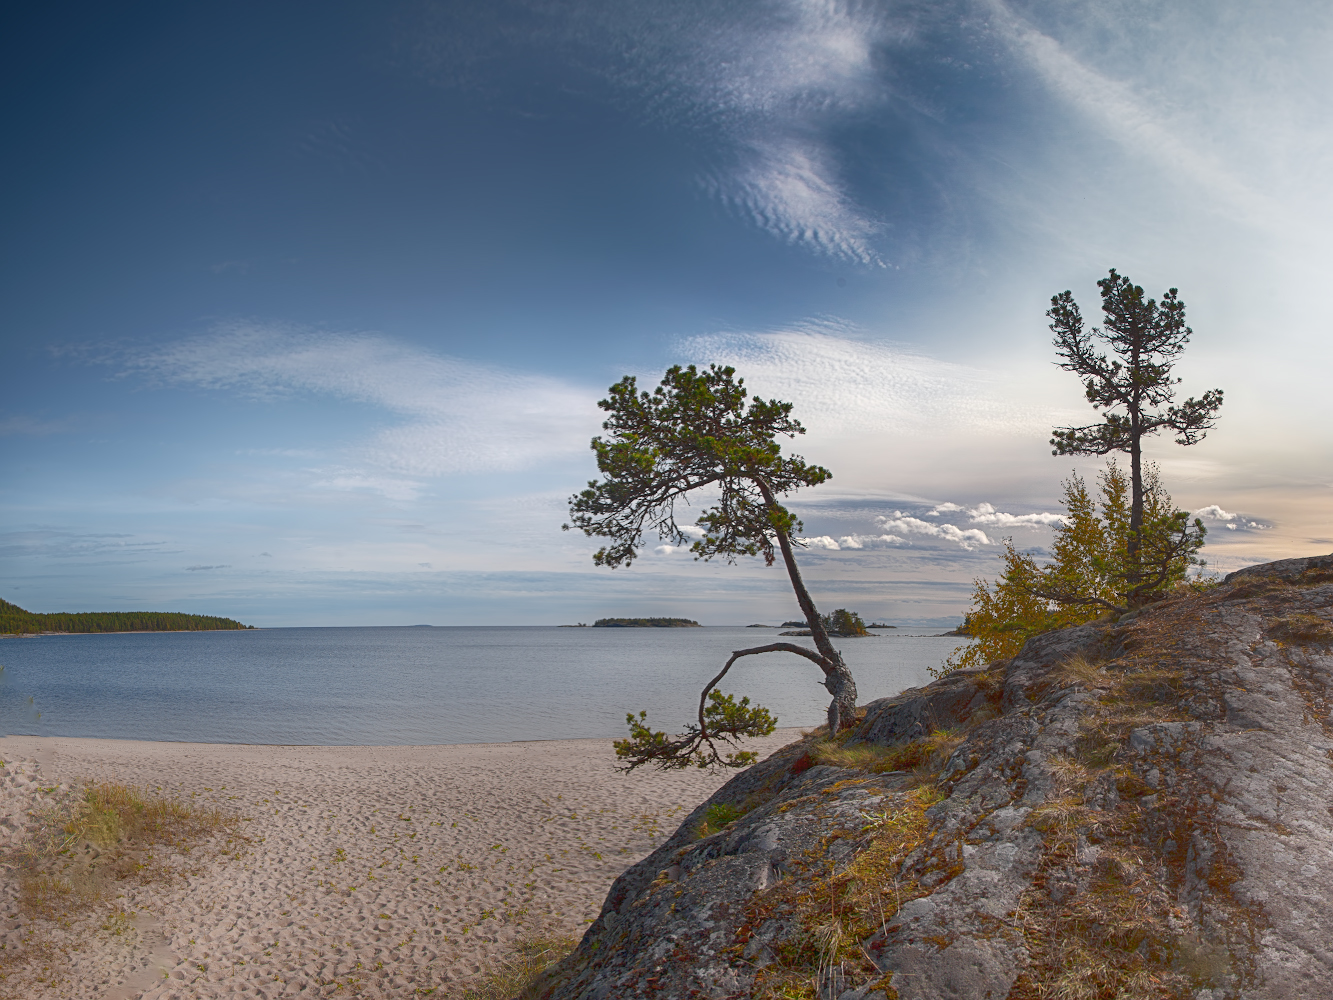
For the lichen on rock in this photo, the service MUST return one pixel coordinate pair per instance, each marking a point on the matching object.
(1132, 808)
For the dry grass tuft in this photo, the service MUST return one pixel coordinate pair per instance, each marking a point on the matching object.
(45, 896)
(839, 910)
(1062, 816)
(113, 814)
(1078, 669)
(1302, 627)
(523, 975)
(929, 752)
(68, 867)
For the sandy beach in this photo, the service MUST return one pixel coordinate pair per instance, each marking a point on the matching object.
(356, 871)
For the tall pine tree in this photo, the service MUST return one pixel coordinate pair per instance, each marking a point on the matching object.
(1136, 389)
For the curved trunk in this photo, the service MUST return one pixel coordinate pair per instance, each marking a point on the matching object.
(837, 678)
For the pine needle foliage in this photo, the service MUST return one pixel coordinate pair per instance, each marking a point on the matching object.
(701, 430)
(1092, 571)
(1135, 387)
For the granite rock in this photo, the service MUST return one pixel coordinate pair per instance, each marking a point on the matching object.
(1141, 807)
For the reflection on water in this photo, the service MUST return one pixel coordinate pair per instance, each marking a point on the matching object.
(368, 686)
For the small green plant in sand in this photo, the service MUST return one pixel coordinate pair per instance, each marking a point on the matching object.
(524, 973)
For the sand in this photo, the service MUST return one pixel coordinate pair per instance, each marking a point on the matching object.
(354, 871)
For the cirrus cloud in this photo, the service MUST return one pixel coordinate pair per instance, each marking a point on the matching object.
(455, 415)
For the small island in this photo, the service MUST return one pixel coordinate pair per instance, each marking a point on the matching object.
(842, 624)
(16, 621)
(645, 623)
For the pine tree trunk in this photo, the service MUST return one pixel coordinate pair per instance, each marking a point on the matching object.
(1135, 569)
(837, 678)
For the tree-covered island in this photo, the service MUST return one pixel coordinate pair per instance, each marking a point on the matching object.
(645, 623)
(16, 621)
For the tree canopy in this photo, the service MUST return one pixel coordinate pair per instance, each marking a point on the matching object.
(693, 431)
(700, 431)
(1145, 336)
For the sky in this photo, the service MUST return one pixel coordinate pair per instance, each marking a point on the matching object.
(305, 308)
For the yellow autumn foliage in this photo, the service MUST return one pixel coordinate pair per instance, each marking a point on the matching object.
(1091, 572)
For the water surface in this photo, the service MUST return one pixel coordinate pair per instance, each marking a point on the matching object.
(379, 686)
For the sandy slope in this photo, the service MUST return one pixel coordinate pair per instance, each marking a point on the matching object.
(362, 871)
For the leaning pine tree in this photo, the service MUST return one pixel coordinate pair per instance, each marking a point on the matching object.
(1145, 336)
(694, 432)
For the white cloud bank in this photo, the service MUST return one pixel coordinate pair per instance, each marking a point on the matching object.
(1230, 521)
(457, 416)
(968, 538)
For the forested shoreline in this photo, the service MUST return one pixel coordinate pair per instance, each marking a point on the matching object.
(16, 621)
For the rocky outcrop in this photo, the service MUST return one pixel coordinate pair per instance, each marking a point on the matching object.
(1138, 808)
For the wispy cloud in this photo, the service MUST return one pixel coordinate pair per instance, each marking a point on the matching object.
(842, 383)
(231, 267)
(769, 84)
(1201, 93)
(353, 481)
(61, 543)
(788, 188)
(457, 416)
(775, 80)
(23, 425)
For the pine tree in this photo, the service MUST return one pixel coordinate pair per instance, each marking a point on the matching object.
(696, 431)
(1146, 337)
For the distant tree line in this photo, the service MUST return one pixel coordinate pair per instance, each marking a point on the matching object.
(15, 620)
(645, 623)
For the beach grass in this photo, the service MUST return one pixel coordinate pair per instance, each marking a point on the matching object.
(523, 974)
(69, 866)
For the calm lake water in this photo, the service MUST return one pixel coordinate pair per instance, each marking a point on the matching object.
(379, 686)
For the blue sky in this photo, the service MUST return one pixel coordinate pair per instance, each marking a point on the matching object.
(306, 307)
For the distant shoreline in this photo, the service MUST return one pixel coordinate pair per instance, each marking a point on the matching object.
(135, 631)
